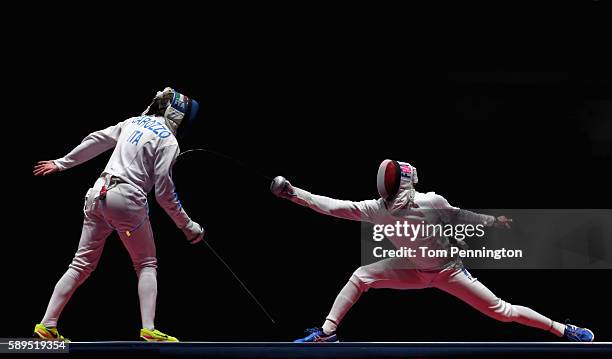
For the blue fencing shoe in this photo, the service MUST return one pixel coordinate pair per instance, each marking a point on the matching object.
(316, 335)
(577, 334)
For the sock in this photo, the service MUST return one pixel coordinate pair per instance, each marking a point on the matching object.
(530, 317)
(62, 293)
(557, 328)
(347, 297)
(147, 292)
(329, 327)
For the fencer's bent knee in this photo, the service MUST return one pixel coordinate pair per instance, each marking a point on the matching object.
(358, 279)
(82, 268)
(502, 311)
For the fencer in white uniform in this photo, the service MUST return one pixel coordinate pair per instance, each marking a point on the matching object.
(401, 202)
(144, 150)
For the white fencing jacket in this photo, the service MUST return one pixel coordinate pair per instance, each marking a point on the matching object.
(430, 208)
(144, 152)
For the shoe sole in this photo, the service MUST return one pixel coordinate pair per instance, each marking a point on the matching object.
(152, 340)
(322, 341)
(44, 336)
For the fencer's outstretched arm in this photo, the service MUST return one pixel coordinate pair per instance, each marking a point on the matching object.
(166, 196)
(356, 211)
(94, 144)
(452, 214)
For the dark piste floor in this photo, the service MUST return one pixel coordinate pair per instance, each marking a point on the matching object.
(341, 350)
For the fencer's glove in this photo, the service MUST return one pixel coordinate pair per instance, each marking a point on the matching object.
(502, 222)
(194, 232)
(282, 188)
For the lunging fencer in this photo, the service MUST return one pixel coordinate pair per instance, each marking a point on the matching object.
(399, 201)
(145, 149)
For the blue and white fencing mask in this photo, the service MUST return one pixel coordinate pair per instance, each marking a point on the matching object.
(178, 110)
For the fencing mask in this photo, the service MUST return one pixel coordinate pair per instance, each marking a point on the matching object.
(178, 110)
(395, 182)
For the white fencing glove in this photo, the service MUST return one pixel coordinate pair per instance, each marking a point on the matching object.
(194, 232)
(282, 188)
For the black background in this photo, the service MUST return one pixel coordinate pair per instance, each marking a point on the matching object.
(499, 110)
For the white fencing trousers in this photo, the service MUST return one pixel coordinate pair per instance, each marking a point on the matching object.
(125, 210)
(456, 280)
